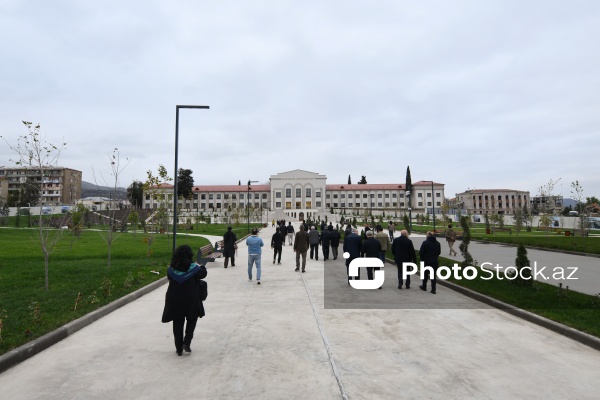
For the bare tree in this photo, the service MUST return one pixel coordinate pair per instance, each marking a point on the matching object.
(116, 168)
(155, 186)
(35, 153)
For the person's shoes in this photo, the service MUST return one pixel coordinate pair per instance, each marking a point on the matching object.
(424, 288)
(186, 348)
(399, 286)
(233, 265)
(408, 287)
(250, 279)
(297, 269)
(433, 291)
(179, 352)
(224, 267)
(279, 262)
(302, 270)
(258, 282)
(273, 261)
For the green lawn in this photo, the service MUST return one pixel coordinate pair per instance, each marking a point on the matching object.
(28, 311)
(579, 311)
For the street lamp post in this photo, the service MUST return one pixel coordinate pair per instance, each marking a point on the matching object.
(432, 204)
(248, 204)
(175, 200)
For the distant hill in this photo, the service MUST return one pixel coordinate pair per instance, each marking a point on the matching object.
(92, 190)
(570, 202)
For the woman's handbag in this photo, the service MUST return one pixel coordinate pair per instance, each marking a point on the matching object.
(202, 290)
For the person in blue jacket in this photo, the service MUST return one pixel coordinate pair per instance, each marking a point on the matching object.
(255, 245)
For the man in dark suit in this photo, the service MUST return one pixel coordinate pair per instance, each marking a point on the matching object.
(404, 251)
(352, 246)
(429, 252)
(371, 247)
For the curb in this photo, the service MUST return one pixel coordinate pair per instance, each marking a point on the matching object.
(575, 253)
(571, 333)
(22, 353)
(559, 328)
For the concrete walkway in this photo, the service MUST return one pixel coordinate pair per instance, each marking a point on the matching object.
(276, 340)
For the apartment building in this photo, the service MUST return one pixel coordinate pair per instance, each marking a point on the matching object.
(59, 185)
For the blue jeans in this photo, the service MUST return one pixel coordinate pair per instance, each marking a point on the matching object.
(382, 256)
(254, 258)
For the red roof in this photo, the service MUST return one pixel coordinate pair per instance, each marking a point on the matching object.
(231, 188)
(367, 186)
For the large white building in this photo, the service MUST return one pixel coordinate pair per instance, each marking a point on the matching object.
(307, 193)
(492, 201)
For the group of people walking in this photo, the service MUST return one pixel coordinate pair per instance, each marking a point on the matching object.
(183, 302)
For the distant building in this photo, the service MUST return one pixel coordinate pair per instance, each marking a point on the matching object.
(307, 193)
(491, 201)
(59, 185)
(546, 204)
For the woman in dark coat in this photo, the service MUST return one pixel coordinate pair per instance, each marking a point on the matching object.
(182, 301)
(229, 240)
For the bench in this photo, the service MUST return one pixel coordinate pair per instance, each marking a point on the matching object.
(208, 253)
(509, 230)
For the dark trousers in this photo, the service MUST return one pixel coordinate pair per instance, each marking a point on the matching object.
(277, 252)
(370, 274)
(325, 252)
(432, 278)
(180, 340)
(348, 261)
(400, 280)
(314, 248)
(227, 261)
(334, 252)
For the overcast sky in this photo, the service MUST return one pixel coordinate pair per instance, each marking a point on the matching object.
(473, 94)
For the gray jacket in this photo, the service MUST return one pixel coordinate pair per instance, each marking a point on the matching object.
(313, 237)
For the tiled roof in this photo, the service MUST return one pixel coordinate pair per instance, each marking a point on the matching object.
(231, 188)
(367, 186)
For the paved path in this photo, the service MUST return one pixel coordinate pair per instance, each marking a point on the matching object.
(586, 277)
(276, 340)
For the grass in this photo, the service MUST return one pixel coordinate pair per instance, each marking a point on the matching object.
(577, 310)
(28, 311)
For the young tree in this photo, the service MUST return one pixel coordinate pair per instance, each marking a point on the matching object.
(34, 152)
(363, 180)
(349, 180)
(111, 234)
(577, 192)
(518, 218)
(464, 246)
(135, 194)
(160, 217)
(522, 264)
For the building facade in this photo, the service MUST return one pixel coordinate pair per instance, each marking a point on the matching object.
(307, 193)
(492, 201)
(58, 185)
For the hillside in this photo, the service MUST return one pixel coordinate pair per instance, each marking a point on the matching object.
(92, 190)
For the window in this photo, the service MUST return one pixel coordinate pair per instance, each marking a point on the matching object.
(365, 205)
(308, 192)
(387, 204)
(318, 204)
(343, 196)
(277, 195)
(335, 205)
(428, 194)
(233, 196)
(349, 195)
(218, 205)
(298, 204)
(210, 196)
(357, 205)
(264, 196)
(437, 195)
(419, 194)
(438, 204)
(387, 195)
(288, 193)
(428, 204)
(420, 204)
(364, 195)
(226, 196)
(379, 204)
(343, 205)
(379, 196)
(318, 194)
(335, 196)
(278, 204)
(241, 196)
(256, 196)
(298, 193)
(327, 196)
